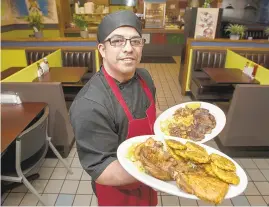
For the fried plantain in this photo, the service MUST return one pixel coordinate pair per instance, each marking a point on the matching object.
(197, 156)
(222, 162)
(181, 153)
(173, 154)
(175, 144)
(226, 176)
(195, 147)
(209, 170)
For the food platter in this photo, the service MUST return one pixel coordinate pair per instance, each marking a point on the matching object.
(214, 111)
(170, 187)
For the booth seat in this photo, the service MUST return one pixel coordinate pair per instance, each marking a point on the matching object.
(202, 88)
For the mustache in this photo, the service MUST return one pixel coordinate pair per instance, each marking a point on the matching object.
(131, 57)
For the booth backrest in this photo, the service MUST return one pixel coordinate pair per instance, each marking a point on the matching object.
(35, 55)
(260, 57)
(78, 59)
(208, 58)
(247, 117)
(60, 128)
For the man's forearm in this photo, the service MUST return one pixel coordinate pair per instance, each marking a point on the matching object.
(115, 175)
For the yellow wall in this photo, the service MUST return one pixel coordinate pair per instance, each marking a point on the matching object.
(26, 33)
(29, 73)
(233, 60)
(12, 58)
(189, 72)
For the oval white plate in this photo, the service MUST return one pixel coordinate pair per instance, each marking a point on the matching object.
(214, 110)
(170, 187)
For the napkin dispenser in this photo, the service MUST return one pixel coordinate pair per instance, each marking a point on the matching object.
(10, 98)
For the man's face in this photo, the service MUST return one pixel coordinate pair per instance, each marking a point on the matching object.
(118, 57)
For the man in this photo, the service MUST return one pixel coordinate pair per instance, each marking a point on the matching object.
(116, 104)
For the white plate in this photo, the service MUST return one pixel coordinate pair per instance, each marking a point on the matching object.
(170, 187)
(214, 110)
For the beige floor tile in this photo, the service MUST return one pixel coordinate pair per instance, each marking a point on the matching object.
(74, 145)
(59, 174)
(255, 175)
(94, 201)
(85, 187)
(72, 153)
(85, 176)
(76, 163)
(50, 162)
(226, 202)
(266, 199)
(204, 203)
(20, 189)
(170, 201)
(248, 163)
(70, 187)
(45, 172)
(251, 189)
(50, 199)
(261, 163)
(187, 202)
(82, 200)
(39, 185)
(265, 174)
(13, 199)
(256, 201)
(29, 200)
(163, 107)
(263, 187)
(76, 154)
(68, 161)
(77, 173)
(54, 186)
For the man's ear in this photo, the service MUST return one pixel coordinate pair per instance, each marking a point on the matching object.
(101, 48)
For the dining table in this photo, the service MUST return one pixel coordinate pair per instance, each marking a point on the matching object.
(15, 118)
(65, 75)
(229, 76)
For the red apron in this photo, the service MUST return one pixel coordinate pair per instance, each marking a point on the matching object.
(136, 194)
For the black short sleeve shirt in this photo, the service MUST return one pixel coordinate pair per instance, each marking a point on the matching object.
(99, 122)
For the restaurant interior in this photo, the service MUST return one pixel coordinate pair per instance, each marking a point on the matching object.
(214, 51)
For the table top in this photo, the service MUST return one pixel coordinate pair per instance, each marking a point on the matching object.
(229, 76)
(10, 71)
(15, 118)
(63, 75)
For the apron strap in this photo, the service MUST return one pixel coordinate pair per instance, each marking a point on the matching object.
(146, 89)
(117, 93)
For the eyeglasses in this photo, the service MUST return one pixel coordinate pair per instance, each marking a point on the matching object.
(121, 41)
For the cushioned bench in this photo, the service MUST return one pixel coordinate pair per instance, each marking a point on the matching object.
(202, 87)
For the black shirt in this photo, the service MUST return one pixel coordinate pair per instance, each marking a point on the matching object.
(99, 122)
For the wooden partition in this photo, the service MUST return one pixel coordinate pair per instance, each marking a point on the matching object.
(29, 73)
(12, 58)
(233, 60)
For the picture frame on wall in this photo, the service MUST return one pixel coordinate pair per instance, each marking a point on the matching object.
(206, 23)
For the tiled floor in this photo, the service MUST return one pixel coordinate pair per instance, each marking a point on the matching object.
(59, 188)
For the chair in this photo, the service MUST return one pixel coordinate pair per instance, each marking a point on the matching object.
(33, 142)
